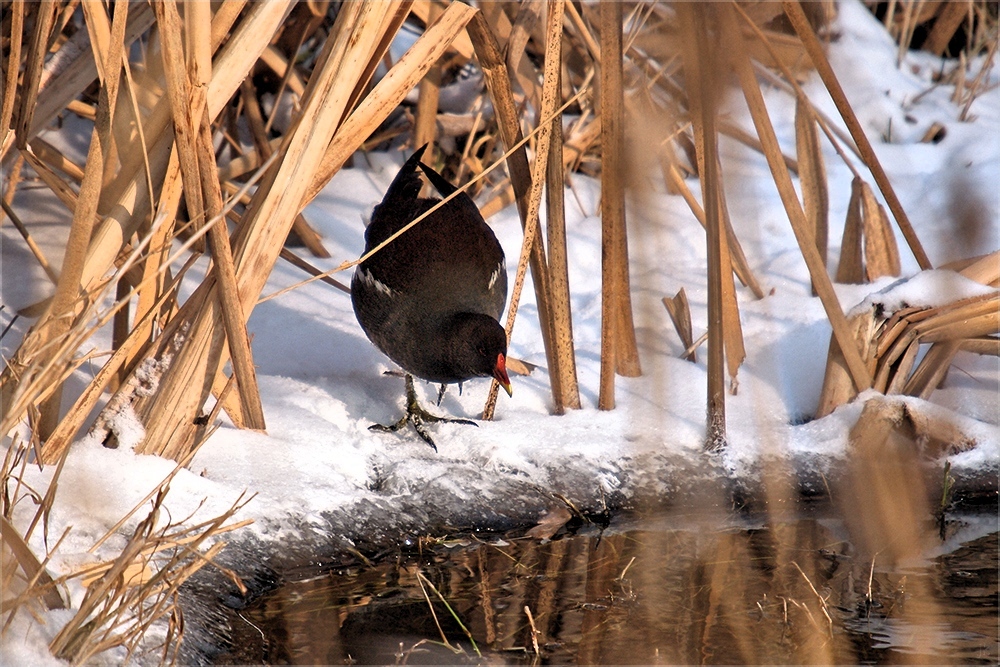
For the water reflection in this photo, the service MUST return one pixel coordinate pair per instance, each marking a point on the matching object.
(670, 591)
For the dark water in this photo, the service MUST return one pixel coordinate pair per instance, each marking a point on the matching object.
(672, 590)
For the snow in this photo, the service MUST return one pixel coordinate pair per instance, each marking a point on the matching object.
(319, 474)
(927, 289)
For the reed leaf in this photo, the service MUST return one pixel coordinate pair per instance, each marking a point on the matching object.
(797, 17)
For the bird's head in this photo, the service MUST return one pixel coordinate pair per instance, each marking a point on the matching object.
(482, 350)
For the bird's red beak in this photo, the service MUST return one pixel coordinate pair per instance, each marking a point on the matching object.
(500, 373)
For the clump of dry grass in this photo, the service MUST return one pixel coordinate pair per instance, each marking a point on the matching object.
(124, 598)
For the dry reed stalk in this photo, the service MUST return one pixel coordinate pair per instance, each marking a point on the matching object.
(797, 17)
(54, 324)
(375, 107)
(30, 242)
(851, 267)
(881, 254)
(58, 90)
(793, 208)
(701, 69)
(497, 79)
(812, 176)
(680, 314)
(838, 383)
(618, 349)
(73, 420)
(613, 137)
(733, 131)
(565, 390)
(63, 192)
(735, 350)
(37, 49)
(33, 569)
(51, 156)
(501, 28)
(129, 194)
(170, 417)
(675, 183)
(425, 125)
(946, 24)
(233, 315)
(153, 268)
(532, 240)
(11, 69)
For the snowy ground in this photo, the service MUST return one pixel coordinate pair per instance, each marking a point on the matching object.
(320, 476)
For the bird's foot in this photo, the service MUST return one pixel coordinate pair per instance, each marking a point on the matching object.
(418, 417)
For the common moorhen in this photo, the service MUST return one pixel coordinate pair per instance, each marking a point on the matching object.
(431, 299)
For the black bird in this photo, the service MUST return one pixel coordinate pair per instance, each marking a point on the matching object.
(431, 299)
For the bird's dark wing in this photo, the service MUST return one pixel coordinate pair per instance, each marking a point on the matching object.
(400, 205)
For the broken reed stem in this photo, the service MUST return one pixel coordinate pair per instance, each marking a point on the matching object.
(797, 17)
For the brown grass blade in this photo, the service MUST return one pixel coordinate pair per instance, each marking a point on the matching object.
(37, 49)
(680, 314)
(11, 68)
(32, 567)
(425, 122)
(851, 268)
(279, 198)
(881, 253)
(390, 91)
(812, 175)
(795, 14)
(817, 269)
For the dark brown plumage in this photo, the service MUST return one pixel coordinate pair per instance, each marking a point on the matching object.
(432, 298)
